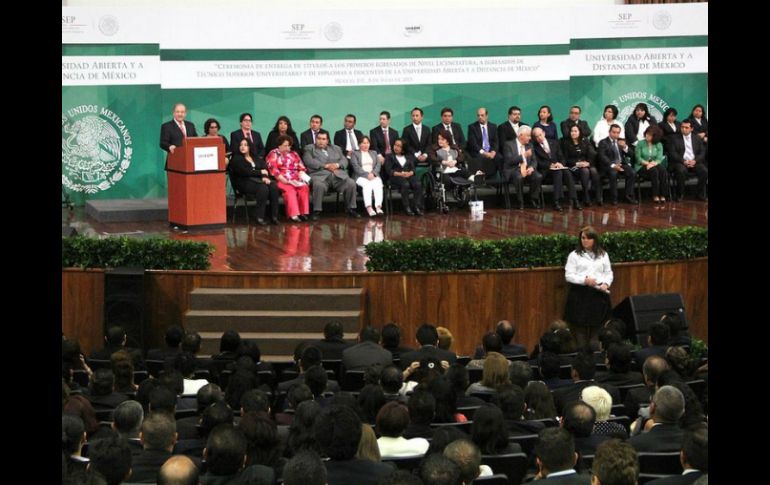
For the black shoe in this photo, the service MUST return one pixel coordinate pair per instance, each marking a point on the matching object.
(576, 205)
(303, 217)
(535, 204)
(261, 221)
(409, 211)
(631, 200)
(274, 221)
(557, 207)
(521, 205)
(418, 211)
(353, 213)
(614, 202)
(586, 203)
(703, 198)
(600, 202)
(315, 215)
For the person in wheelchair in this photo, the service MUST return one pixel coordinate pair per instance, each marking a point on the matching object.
(449, 160)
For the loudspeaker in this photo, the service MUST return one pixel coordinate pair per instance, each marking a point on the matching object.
(68, 231)
(124, 303)
(638, 311)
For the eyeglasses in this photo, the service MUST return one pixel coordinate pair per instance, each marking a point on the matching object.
(247, 119)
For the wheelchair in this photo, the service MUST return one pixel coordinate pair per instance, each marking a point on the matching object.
(438, 186)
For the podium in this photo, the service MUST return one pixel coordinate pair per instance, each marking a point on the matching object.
(196, 184)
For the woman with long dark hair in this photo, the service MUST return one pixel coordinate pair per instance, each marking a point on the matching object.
(282, 127)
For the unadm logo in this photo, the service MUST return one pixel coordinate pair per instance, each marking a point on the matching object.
(628, 101)
(95, 149)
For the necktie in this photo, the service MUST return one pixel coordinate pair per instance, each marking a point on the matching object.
(484, 138)
(418, 130)
(617, 152)
(314, 133)
(451, 135)
(546, 148)
(387, 141)
(523, 165)
(184, 130)
(248, 135)
(326, 154)
(351, 141)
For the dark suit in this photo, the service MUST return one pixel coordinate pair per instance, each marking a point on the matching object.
(306, 138)
(559, 177)
(145, 466)
(676, 148)
(272, 141)
(632, 127)
(356, 472)
(586, 445)
(167, 353)
(364, 354)
(331, 385)
(635, 398)
(341, 140)
(620, 378)
(414, 143)
(641, 355)
(583, 151)
(506, 133)
(331, 349)
(257, 147)
(678, 479)
(427, 351)
(398, 351)
(573, 479)
(457, 134)
(606, 157)
(566, 125)
(405, 185)
(476, 143)
(511, 170)
(247, 179)
(509, 350)
(661, 437)
(669, 132)
(321, 179)
(171, 134)
(378, 139)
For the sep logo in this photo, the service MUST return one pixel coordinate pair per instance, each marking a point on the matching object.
(95, 149)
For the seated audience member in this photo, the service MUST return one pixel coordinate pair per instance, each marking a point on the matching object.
(401, 168)
(173, 337)
(694, 458)
(73, 435)
(555, 457)
(458, 377)
(111, 458)
(115, 340)
(539, 401)
(511, 403)
(579, 419)
(367, 352)
(327, 167)
(654, 366)
(103, 395)
(337, 431)
(550, 368)
(392, 421)
(619, 371)
(123, 370)
(301, 437)
(225, 456)
(250, 176)
(601, 402)
(158, 438)
(666, 409)
(495, 375)
(368, 449)
(677, 329)
(371, 399)
(521, 373)
(179, 470)
(445, 338)
(391, 340)
(333, 343)
(305, 468)
(657, 343)
(467, 456)
(490, 342)
(437, 469)
(583, 370)
(693, 415)
(310, 356)
(185, 362)
(127, 422)
(392, 382)
(446, 400)
(263, 444)
(287, 169)
(490, 433)
(191, 342)
(187, 428)
(615, 463)
(427, 337)
(422, 410)
(506, 331)
(297, 394)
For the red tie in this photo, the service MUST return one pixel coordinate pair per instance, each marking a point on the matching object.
(182, 127)
(387, 142)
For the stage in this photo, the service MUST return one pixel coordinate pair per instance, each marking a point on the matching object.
(336, 242)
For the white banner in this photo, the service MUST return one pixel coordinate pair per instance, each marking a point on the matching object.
(111, 25)
(624, 21)
(617, 62)
(362, 72)
(109, 70)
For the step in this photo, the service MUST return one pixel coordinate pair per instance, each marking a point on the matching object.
(268, 321)
(276, 299)
(270, 343)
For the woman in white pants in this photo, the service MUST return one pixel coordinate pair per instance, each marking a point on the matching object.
(366, 170)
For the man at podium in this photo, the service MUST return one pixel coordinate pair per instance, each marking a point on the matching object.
(173, 133)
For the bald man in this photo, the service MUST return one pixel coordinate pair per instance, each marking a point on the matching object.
(178, 470)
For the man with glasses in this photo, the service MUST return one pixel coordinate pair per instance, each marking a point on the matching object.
(574, 120)
(257, 148)
(173, 133)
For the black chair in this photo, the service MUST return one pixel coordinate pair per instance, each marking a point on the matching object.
(280, 366)
(526, 441)
(464, 427)
(288, 374)
(353, 380)
(475, 375)
(588, 461)
(266, 377)
(224, 378)
(95, 364)
(202, 374)
(186, 413)
(81, 377)
(486, 396)
(238, 195)
(155, 367)
(648, 477)
(660, 463)
(463, 360)
(698, 388)
(624, 390)
(548, 422)
(103, 414)
(496, 479)
(513, 465)
(334, 365)
(514, 358)
(625, 421)
(140, 376)
(408, 463)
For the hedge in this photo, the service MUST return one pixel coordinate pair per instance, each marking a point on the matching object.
(148, 253)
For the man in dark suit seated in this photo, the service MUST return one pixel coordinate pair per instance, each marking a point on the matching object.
(694, 457)
(615, 462)
(579, 419)
(256, 146)
(311, 356)
(454, 129)
(127, 422)
(111, 458)
(158, 438)
(332, 345)
(417, 137)
(687, 154)
(619, 361)
(509, 130)
(102, 395)
(308, 137)
(613, 156)
(173, 133)
(179, 470)
(328, 168)
(115, 340)
(657, 343)
(391, 340)
(519, 163)
(551, 163)
(383, 136)
(225, 456)
(556, 458)
(510, 400)
(574, 120)
(174, 336)
(427, 337)
(338, 432)
(367, 352)
(677, 330)
(187, 428)
(348, 138)
(483, 147)
(422, 410)
(666, 408)
(305, 468)
(583, 370)
(550, 367)
(654, 366)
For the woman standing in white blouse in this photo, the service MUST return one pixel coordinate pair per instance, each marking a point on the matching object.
(366, 170)
(589, 275)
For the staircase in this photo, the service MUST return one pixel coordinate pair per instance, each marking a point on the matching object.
(277, 319)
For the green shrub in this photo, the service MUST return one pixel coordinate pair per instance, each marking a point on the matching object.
(149, 253)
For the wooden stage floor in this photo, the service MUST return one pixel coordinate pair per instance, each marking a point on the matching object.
(336, 242)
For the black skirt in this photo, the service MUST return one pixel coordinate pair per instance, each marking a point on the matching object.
(586, 306)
